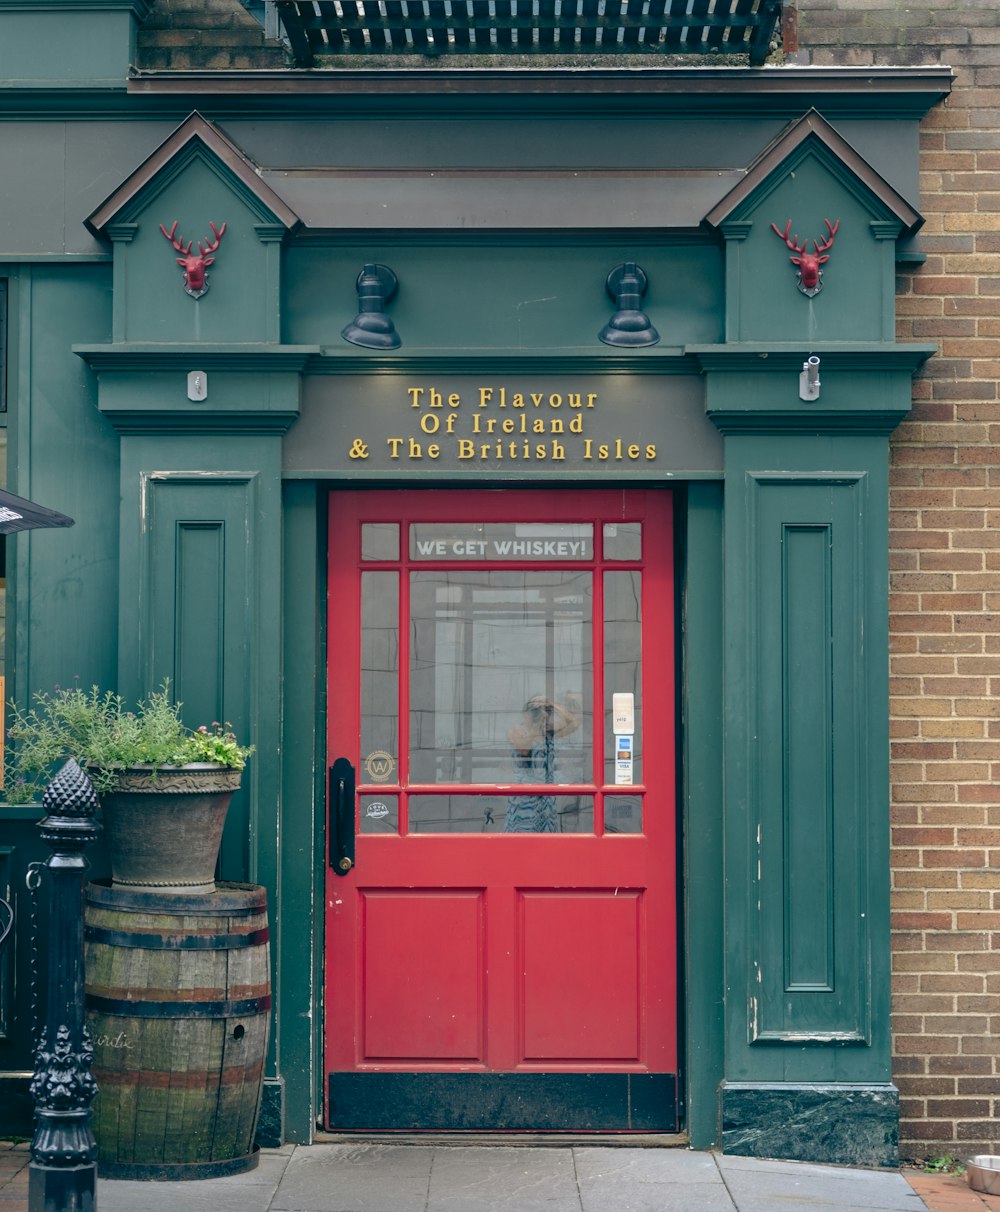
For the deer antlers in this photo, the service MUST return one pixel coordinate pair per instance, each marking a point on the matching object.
(195, 265)
(810, 275)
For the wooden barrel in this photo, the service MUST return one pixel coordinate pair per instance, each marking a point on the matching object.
(178, 998)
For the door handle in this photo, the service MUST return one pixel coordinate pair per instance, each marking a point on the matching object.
(341, 801)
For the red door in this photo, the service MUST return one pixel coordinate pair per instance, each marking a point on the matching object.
(501, 911)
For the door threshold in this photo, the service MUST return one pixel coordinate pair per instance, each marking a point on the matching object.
(551, 1140)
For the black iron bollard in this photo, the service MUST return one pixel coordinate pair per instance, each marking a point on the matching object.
(62, 1173)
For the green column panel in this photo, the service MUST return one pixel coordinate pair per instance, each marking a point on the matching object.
(807, 821)
(807, 976)
(198, 611)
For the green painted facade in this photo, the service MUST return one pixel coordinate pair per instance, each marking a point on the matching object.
(199, 554)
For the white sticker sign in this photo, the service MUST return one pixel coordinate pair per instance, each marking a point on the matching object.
(623, 713)
(623, 760)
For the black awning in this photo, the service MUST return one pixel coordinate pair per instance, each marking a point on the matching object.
(318, 29)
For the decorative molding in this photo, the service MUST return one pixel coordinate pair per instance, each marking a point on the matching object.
(806, 420)
(141, 8)
(781, 356)
(122, 233)
(813, 135)
(259, 358)
(194, 138)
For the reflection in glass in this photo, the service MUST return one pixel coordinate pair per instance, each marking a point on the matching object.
(483, 646)
(623, 540)
(379, 665)
(535, 743)
(487, 814)
(379, 813)
(380, 541)
(622, 665)
(623, 814)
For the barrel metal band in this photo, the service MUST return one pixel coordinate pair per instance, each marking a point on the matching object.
(125, 1008)
(176, 942)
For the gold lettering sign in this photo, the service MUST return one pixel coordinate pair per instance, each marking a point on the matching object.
(493, 426)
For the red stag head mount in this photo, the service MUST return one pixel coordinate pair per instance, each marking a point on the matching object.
(194, 266)
(810, 276)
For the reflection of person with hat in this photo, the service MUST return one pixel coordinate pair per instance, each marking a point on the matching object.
(533, 744)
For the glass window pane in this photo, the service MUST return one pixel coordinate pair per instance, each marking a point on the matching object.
(380, 814)
(500, 677)
(623, 677)
(379, 677)
(623, 540)
(501, 814)
(499, 541)
(380, 541)
(623, 814)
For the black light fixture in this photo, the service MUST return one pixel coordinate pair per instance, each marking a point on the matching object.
(629, 326)
(371, 327)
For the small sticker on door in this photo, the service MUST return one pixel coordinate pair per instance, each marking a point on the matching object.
(377, 809)
(380, 766)
(623, 760)
(623, 712)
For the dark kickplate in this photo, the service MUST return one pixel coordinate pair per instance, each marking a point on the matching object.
(498, 1102)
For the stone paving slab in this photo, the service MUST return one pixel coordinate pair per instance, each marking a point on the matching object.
(471, 1178)
(503, 1180)
(356, 1178)
(650, 1180)
(250, 1192)
(761, 1186)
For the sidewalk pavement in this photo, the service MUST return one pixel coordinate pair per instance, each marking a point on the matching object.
(477, 1178)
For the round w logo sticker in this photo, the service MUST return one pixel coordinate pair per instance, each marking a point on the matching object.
(380, 766)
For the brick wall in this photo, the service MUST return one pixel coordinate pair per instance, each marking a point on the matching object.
(206, 35)
(945, 560)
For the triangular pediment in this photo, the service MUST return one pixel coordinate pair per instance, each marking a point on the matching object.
(195, 139)
(813, 137)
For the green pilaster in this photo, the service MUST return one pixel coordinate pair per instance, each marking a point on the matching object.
(702, 801)
(303, 796)
(807, 1035)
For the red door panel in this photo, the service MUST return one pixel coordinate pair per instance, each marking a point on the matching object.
(501, 679)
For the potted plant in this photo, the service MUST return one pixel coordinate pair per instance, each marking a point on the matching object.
(165, 788)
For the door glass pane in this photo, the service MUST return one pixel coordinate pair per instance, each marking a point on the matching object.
(623, 677)
(623, 814)
(499, 541)
(501, 814)
(379, 813)
(623, 540)
(380, 541)
(379, 677)
(500, 677)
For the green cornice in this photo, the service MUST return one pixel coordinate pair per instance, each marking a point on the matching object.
(169, 421)
(260, 359)
(853, 356)
(878, 93)
(806, 420)
(866, 387)
(668, 360)
(141, 8)
(659, 360)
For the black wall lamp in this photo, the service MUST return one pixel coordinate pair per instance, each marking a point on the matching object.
(371, 327)
(629, 326)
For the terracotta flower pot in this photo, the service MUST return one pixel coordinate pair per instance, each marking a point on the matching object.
(164, 828)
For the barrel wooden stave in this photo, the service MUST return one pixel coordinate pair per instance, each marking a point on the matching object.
(180, 1075)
